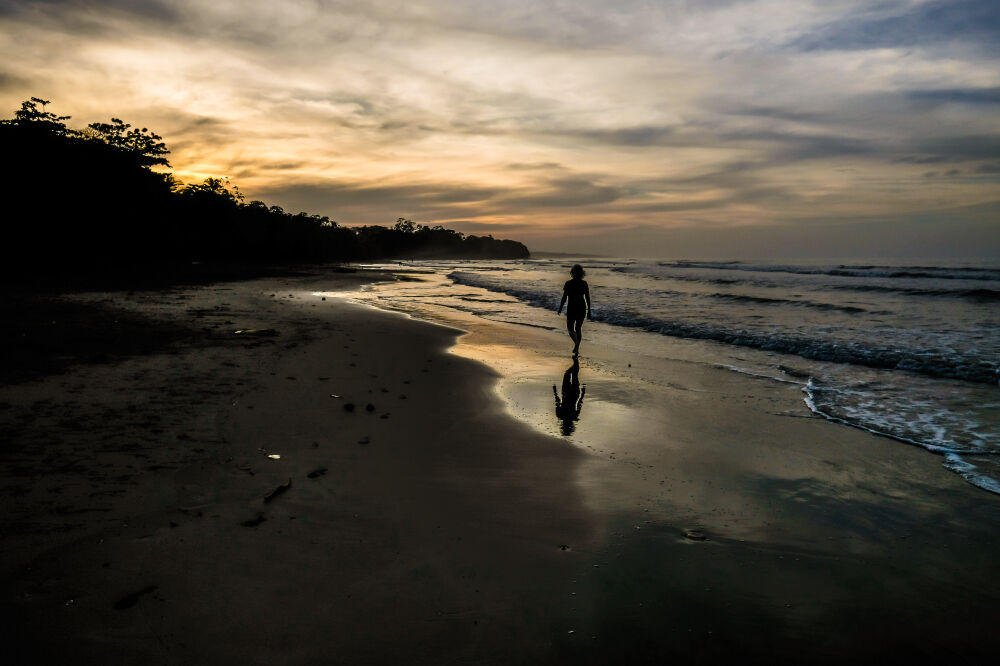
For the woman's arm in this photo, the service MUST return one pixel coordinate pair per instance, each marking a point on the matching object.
(586, 297)
(562, 302)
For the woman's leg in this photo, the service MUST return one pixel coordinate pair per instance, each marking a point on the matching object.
(571, 328)
(574, 327)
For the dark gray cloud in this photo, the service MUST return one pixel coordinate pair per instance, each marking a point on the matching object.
(12, 81)
(777, 113)
(535, 166)
(964, 148)
(373, 204)
(958, 95)
(678, 193)
(792, 146)
(736, 173)
(436, 200)
(564, 192)
(88, 16)
(515, 229)
(198, 133)
(156, 8)
(343, 194)
(676, 206)
(255, 168)
(975, 23)
(644, 135)
(903, 121)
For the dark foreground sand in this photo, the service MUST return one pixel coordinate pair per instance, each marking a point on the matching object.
(145, 519)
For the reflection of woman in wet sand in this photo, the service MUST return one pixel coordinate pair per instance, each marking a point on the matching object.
(577, 292)
(569, 407)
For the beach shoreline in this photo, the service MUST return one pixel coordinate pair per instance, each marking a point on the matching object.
(452, 522)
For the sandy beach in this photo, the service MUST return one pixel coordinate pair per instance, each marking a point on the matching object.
(341, 484)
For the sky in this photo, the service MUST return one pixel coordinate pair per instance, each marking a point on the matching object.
(647, 128)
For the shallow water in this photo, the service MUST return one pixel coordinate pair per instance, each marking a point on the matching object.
(908, 351)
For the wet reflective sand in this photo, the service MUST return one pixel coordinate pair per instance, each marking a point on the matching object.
(807, 523)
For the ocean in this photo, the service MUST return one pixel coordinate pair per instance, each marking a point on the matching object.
(908, 351)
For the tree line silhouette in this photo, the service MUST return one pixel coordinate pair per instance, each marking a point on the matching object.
(89, 201)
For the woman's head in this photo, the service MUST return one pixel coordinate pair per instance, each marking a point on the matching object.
(577, 271)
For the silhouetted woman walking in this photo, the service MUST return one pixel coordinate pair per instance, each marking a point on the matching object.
(577, 292)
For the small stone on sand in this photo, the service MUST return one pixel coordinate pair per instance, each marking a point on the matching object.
(277, 491)
(130, 600)
(255, 521)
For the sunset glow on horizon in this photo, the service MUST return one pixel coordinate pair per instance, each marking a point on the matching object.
(640, 128)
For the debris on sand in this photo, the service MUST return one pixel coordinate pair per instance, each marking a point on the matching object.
(795, 372)
(277, 491)
(256, 332)
(694, 535)
(316, 473)
(254, 522)
(365, 440)
(130, 600)
(349, 406)
(369, 407)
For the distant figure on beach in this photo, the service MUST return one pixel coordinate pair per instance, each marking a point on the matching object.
(568, 408)
(577, 292)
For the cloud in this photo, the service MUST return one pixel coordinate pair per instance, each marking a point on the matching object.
(362, 203)
(791, 146)
(649, 135)
(903, 24)
(92, 17)
(958, 95)
(958, 148)
(347, 194)
(535, 166)
(12, 82)
(430, 200)
(564, 193)
(157, 9)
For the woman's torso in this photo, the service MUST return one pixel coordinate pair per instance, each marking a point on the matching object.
(575, 291)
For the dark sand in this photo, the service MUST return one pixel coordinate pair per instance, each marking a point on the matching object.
(144, 521)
